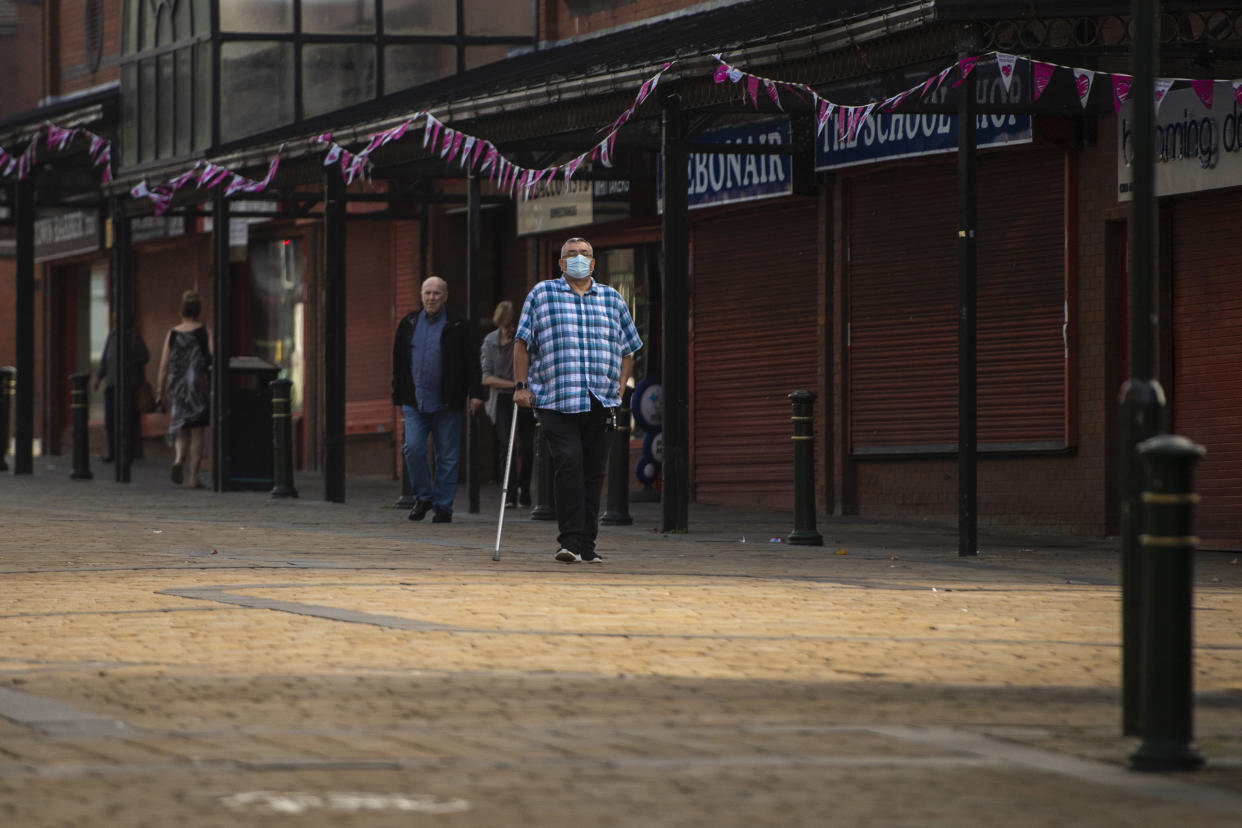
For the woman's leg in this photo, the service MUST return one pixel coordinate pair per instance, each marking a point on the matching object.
(195, 458)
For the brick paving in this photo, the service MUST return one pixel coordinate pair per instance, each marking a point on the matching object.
(180, 657)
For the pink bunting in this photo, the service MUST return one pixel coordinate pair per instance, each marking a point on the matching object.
(478, 149)
(965, 66)
(323, 138)
(334, 155)
(752, 89)
(772, 93)
(1121, 91)
(1041, 74)
(1203, 88)
(1163, 85)
(1237, 92)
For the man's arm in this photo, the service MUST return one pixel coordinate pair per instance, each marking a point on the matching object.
(521, 373)
(627, 368)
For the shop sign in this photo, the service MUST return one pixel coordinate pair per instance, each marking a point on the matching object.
(146, 228)
(65, 233)
(557, 204)
(715, 178)
(1197, 148)
(886, 137)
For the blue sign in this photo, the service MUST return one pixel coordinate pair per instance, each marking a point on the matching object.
(715, 178)
(888, 137)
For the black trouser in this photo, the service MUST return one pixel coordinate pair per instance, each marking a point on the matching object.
(525, 447)
(578, 444)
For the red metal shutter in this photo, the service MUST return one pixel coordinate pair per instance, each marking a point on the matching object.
(370, 327)
(902, 226)
(1207, 354)
(754, 341)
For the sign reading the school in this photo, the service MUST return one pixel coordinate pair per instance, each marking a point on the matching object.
(716, 178)
(886, 137)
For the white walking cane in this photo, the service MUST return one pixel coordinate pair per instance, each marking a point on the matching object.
(504, 490)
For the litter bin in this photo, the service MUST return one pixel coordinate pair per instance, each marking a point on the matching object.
(250, 431)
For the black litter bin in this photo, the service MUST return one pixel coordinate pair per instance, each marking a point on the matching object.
(250, 432)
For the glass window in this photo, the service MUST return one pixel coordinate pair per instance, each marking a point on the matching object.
(202, 17)
(147, 27)
(98, 325)
(129, 113)
(498, 19)
(167, 107)
(336, 75)
(256, 87)
(146, 114)
(185, 104)
(163, 25)
(407, 66)
(338, 16)
(421, 17)
(276, 273)
(483, 55)
(202, 95)
(256, 15)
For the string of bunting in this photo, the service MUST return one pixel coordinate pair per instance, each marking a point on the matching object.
(59, 139)
(482, 156)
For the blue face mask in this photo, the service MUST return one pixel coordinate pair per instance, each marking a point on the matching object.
(578, 267)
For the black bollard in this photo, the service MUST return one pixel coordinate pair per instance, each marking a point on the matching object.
(6, 409)
(1166, 697)
(79, 409)
(282, 439)
(544, 499)
(804, 533)
(618, 506)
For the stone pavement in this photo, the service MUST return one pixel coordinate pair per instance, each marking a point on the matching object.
(171, 657)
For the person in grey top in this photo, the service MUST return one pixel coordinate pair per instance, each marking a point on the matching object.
(496, 365)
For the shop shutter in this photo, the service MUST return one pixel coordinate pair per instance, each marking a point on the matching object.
(1207, 354)
(754, 341)
(370, 326)
(903, 274)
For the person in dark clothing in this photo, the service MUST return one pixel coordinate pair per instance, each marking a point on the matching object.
(435, 365)
(138, 357)
(184, 385)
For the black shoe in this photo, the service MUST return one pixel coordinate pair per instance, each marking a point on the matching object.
(420, 510)
(442, 516)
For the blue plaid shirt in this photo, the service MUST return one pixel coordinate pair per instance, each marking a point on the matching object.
(576, 344)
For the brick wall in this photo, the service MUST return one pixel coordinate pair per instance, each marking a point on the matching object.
(73, 71)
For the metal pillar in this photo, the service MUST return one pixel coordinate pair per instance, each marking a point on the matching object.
(473, 199)
(282, 439)
(1167, 716)
(334, 237)
(545, 507)
(6, 408)
(24, 213)
(1142, 398)
(618, 511)
(804, 533)
(79, 413)
(675, 372)
(123, 322)
(967, 327)
(222, 334)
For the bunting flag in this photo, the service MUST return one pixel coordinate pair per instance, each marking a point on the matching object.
(1005, 63)
(965, 66)
(774, 95)
(752, 89)
(1163, 85)
(1121, 91)
(1041, 73)
(1203, 88)
(1237, 92)
(1082, 82)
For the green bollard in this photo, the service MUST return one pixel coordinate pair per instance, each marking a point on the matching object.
(804, 533)
(618, 511)
(282, 439)
(1166, 698)
(542, 478)
(79, 409)
(7, 379)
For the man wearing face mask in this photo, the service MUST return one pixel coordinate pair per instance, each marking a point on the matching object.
(433, 368)
(572, 358)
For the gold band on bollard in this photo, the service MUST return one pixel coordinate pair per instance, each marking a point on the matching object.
(1163, 499)
(1168, 542)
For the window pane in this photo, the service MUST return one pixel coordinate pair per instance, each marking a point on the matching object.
(203, 109)
(202, 17)
(146, 115)
(129, 35)
(336, 75)
(499, 19)
(256, 87)
(129, 113)
(483, 55)
(251, 16)
(421, 17)
(184, 135)
(167, 110)
(338, 16)
(164, 26)
(406, 66)
(147, 29)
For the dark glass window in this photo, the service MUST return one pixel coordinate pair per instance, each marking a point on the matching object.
(335, 75)
(256, 87)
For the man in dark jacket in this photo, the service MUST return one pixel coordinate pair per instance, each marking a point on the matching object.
(434, 366)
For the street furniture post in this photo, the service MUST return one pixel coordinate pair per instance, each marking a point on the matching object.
(618, 511)
(804, 532)
(544, 508)
(6, 409)
(79, 409)
(1166, 711)
(282, 439)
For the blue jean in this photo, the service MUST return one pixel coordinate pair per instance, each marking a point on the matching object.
(444, 426)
